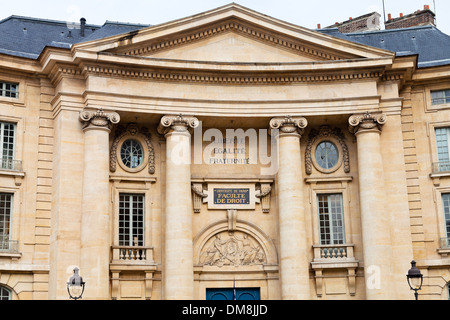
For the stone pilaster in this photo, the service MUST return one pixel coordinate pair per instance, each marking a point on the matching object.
(178, 273)
(374, 218)
(95, 219)
(294, 264)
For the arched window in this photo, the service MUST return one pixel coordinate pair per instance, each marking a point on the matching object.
(5, 294)
(448, 290)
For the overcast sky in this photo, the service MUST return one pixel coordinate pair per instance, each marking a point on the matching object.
(305, 13)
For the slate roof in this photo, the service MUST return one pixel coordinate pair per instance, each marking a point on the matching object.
(430, 44)
(27, 37)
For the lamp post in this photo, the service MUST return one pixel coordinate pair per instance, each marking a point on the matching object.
(75, 285)
(415, 279)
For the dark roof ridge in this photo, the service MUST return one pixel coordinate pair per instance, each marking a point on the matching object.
(126, 23)
(428, 26)
(47, 21)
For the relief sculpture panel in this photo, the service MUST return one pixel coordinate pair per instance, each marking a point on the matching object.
(232, 249)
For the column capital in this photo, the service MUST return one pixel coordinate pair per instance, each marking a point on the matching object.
(366, 122)
(98, 119)
(177, 123)
(289, 124)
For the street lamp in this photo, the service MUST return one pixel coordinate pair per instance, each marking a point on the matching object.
(75, 285)
(415, 279)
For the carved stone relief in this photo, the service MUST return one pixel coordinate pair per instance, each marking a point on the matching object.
(132, 130)
(232, 249)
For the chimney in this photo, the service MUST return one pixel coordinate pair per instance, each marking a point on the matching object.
(367, 22)
(82, 26)
(419, 18)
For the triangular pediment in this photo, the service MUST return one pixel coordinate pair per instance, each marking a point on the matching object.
(232, 34)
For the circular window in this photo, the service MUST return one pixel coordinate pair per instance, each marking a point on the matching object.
(132, 153)
(327, 155)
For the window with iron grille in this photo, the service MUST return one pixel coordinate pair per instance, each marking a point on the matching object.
(131, 219)
(331, 219)
(440, 97)
(5, 294)
(7, 143)
(6, 205)
(9, 90)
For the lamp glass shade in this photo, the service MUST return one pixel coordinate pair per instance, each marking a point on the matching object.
(75, 285)
(415, 282)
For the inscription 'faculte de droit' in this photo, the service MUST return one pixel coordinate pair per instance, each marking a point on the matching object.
(231, 196)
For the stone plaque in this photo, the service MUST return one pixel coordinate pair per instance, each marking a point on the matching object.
(227, 196)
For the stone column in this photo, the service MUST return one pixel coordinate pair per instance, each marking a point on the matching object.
(374, 217)
(95, 219)
(178, 273)
(294, 264)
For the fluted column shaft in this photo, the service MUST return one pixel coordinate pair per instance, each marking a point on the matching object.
(178, 259)
(374, 219)
(294, 264)
(95, 219)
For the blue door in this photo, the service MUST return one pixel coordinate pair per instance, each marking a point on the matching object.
(233, 294)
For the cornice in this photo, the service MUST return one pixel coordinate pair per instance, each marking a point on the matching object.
(251, 78)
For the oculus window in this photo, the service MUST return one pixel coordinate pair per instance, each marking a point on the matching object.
(327, 155)
(132, 153)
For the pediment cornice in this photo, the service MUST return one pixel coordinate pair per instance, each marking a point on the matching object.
(237, 26)
(239, 20)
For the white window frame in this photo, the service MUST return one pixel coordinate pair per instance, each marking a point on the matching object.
(131, 216)
(7, 162)
(8, 232)
(445, 98)
(4, 91)
(446, 217)
(4, 289)
(335, 237)
(437, 166)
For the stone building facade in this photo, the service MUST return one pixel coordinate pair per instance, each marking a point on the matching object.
(224, 150)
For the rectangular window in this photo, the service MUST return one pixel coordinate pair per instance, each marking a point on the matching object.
(442, 139)
(9, 90)
(446, 205)
(331, 219)
(131, 219)
(440, 97)
(6, 206)
(7, 145)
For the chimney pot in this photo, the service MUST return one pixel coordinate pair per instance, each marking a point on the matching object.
(389, 16)
(426, 7)
(82, 26)
(318, 26)
(401, 14)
